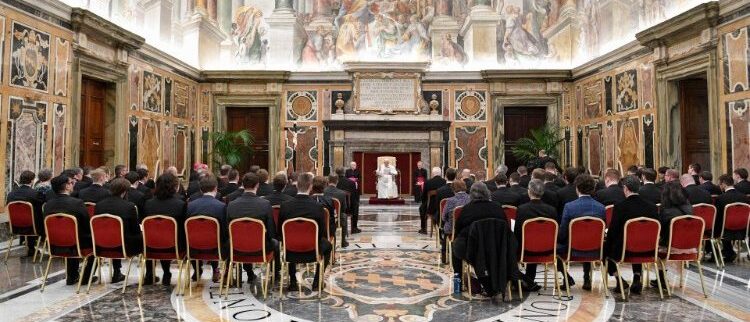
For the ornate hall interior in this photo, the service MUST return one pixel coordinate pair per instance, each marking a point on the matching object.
(315, 92)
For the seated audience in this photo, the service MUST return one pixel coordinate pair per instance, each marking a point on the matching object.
(264, 189)
(96, 191)
(524, 177)
(731, 195)
(461, 198)
(503, 194)
(223, 178)
(613, 193)
(550, 189)
(694, 170)
(634, 206)
(134, 195)
(340, 195)
(277, 197)
(144, 184)
(84, 178)
(232, 184)
(467, 177)
(662, 176)
(568, 193)
(674, 204)
(649, 190)
(515, 187)
(318, 186)
(291, 187)
(433, 184)
(24, 192)
(42, 185)
(706, 182)
(447, 190)
(208, 205)
(695, 194)
(535, 208)
(166, 202)
(305, 206)
(741, 182)
(501, 169)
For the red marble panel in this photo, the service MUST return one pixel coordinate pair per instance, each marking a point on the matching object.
(58, 138)
(647, 85)
(167, 146)
(181, 144)
(150, 144)
(471, 149)
(305, 145)
(739, 122)
(134, 83)
(610, 137)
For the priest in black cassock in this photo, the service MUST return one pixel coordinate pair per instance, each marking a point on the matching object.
(354, 175)
(420, 176)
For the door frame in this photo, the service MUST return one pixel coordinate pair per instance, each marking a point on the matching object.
(553, 104)
(270, 102)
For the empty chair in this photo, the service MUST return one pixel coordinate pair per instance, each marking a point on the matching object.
(247, 245)
(708, 214)
(736, 222)
(21, 219)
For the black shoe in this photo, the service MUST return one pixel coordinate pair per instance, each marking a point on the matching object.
(166, 279)
(729, 258)
(655, 284)
(637, 286)
(530, 287)
(250, 277)
(292, 287)
(586, 284)
(75, 281)
(117, 278)
(315, 286)
(344, 244)
(422, 231)
(150, 280)
(356, 230)
(625, 286)
(71, 281)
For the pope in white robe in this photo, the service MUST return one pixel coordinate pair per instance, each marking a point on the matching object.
(387, 188)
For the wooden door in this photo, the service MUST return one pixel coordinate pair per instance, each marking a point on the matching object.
(519, 121)
(695, 144)
(92, 122)
(254, 120)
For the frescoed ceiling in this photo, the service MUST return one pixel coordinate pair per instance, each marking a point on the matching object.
(451, 34)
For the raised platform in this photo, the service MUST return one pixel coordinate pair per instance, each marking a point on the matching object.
(376, 201)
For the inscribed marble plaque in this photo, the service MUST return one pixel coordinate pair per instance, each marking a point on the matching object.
(387, 95)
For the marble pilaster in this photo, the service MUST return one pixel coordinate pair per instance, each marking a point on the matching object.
(480, 33)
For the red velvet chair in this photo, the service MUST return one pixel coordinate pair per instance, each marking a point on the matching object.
(90, 206)
(585, 234)
(203, 244)
(275, 210)
(63, 242)
(247, 245)
(708, 214)
(108, 238)
(510, 213)
(161, 242)
(450, 237)
(440, 221)
(539, 246)
(431, 196)
(685, 234)
(21, 219)
(608, 212)
(736, 220)
(301, 236)
(641, 237)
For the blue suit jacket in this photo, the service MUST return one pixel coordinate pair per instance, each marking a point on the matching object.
(210, 206)
(583, 206)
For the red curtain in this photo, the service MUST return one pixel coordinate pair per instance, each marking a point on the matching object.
(405, 163)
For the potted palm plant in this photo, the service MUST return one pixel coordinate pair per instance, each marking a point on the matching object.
(546, 138)
(231, 147)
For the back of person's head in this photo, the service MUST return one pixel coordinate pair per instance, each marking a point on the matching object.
(119, 169)
(550, 166)
(132, 177)
(696, 167)
(612, 175)
(224, 170)
(142, 173)
(458, 185)
(58, 183)
(686, 180)
(166, 186)
(340, 171)
(726, 180)
(570, 174)
(250, 181)
(648, 174)
(663, 170)
(263, 175)
(72, 172)
(514, 177)
(585, 184)
(450, 174)
(549, 177)
(538, 174)
(279, 182)
(233, 175)
(706, 175)
(254, 168)
(119, 186)
(671, 174)
(304, 182)
(522, 170)
(293, 177)
(45, 175)
(632, 183)
(87, 170)
(501, 180)
(319, 184)
(26, 177)
(98, 176)
(333, 179)
(633, 169)
(501, 169)
(741, 172)
(672, 195)
(479, 191)
(536, 188)
(208, 183)
(436, 172)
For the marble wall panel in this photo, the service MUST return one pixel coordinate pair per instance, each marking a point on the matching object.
(608, 97)
(2, 47)
(471, 149)
(167, 158)
(26, 137)
(739, 123)
(470, 106)
(62, 67)
(579, 102)
(150, 144)
(595, 150)
(626, 84)
(628, 143)
(153, 92)
(181, 99)
(58, 138)
(134, 84)
(648, 140)
(181, 143)
(646, 85)
(592, 98)
(168, 96)
(736, 54)
(610, 137)
(302, 147)
(302, 106)
(30, 57)
(133, 141)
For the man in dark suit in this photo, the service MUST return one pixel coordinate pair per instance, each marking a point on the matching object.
(535, 208)
(559, 180)
(249, 205)
(264, 188)
(612, 194)
(649, 190)
(134, 195)
(634, 206)
(694, 171)
(291, 187)
(524, 176)
(431, 185)
(145, 185)
(568, 193)
(340, 195)
(501, 169)
(208, 205)
(662, 177)
(446, 191)
(466, 177)
(741, 182)
(62, 185)
(223, 178)
(730, 195)
(232, 184)
(116, 205)
(706, 182)
(503, 195)
(353, 196)
(277, 197)
(550, 188)
(85, 180)
(305, 207)
(515, 186)
(695, 193)
(77, 175)
(96, 191)
(420, 176)
(24, 192)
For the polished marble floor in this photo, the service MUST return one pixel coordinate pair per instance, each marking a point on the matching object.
(388, 273)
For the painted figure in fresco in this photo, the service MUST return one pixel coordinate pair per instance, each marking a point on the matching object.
(517, 40)
(314, 52)
(348, 38)
(384, 36)
(538, 13)
(452, 52)
(651, 11)
(416, 40)
(247, 31)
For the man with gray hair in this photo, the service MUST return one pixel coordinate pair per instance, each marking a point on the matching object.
(695, 194)
(535, 208)
(429, 208)
(491, 185)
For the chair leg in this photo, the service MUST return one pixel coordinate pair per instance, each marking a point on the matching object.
(747, 246)
(141, 274)
(190, 278)
(682, 278)
(554, 276)
(604, 280)
(267, 279)
(619, 278)
(648, 275)
(127, 274)
(321, 277)
(80, 275)
(46, 272)
(222, 273)
(700, 274)
(566, 266)
(36, 248)
(228, 280)
(658, 281)
(468, 281)
(718, 253)
(281, 280)
(97, 263)
(545, 276)
(7, 251)
(179, 276)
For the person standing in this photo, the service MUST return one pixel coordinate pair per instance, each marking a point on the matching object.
(420, 176)
(350, 187)
(433, 184)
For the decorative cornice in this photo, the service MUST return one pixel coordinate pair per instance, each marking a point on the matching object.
(216, 76)
(319, 77)
(380, 125)
(452, 76)
(612, 59)
(687, 24)
(174, 64)
(89, 23)
(361, 66)
(526, 74)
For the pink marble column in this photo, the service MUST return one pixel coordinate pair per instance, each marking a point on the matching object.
(211, 8)
(443, 7)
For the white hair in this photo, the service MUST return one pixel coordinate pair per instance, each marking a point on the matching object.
(436, 171)
(502, 169)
